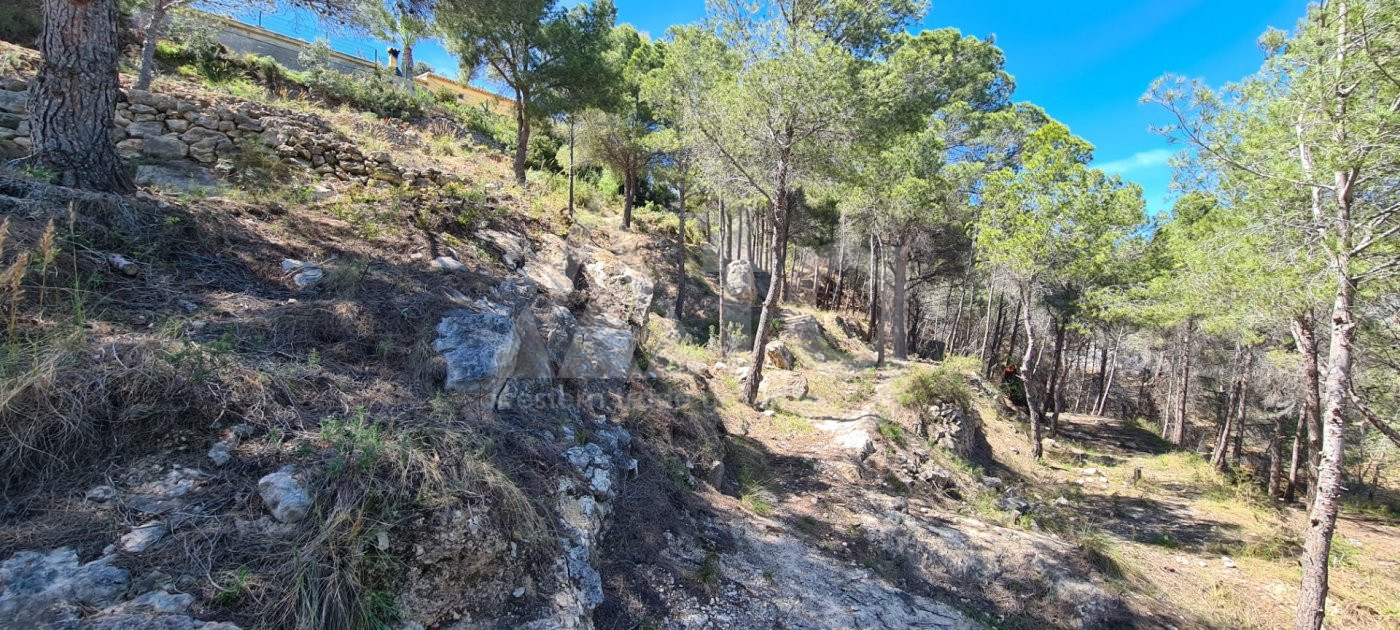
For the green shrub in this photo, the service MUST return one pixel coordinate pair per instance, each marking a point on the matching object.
(941, 384)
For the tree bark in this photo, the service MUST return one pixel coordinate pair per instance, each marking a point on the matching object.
(571, 167)
(899, 327)
(155, 29)
(522, 133)
(629, 190)
(775, 289)
(74, 100)
(1275, 482)
(406, 68)
(724, 238)
(680, 257)
(1178, 435)
(1057, 369)
(874, 307)
(1306, 342)
(1028, 373)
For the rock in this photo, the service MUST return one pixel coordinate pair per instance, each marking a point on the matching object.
(141, 538)
(157, 602)
(853, 434)
(780, 356)
(101, 494)
(513, 249)
(448, 263)
(599, 352)
(149, 129)
(14, 102)
(1227, 562)
(158, 102)
(739, 282)
(619, 292)
(480, 350)
(176, 176)
(177, 125)
(164, 148)
(43, 588)
(782, 384)
(284, 496)
(303, 274)
(221, 453)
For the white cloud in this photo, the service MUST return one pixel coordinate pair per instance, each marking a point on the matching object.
(1137, 161)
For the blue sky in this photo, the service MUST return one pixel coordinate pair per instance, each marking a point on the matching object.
(1086, 62)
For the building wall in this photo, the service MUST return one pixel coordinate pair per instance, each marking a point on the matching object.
(249, 39)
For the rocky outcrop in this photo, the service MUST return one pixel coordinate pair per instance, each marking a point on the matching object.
(781, 384)
(739, 283)
(480, 350)
(950, 426)
(53, 590)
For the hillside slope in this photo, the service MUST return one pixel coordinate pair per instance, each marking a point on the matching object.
(396, 389)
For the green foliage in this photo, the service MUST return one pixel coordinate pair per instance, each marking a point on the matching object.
(377, 93)
(893, 432)
(21, 21)
(939, 385)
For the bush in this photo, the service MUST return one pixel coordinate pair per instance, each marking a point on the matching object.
(21, 21)
(938, 385)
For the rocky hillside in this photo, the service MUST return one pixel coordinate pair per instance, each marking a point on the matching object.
(329, 371)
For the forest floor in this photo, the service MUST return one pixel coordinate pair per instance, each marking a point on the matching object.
(1111, 507)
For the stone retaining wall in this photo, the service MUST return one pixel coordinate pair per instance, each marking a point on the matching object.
(160, 128)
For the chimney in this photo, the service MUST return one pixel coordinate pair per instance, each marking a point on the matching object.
(393, 58)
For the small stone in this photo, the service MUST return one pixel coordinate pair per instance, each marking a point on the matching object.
(101, 494)
(518, 592)
(1227, 562)
(284, 496)
(769, 412)
(221, 453)
(141, 538)
(448, 263)
(187, 306)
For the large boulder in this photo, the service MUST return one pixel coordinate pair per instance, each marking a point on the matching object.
(480, 349)
(552, 266)
(619, 291)
(781, 384)
(739, 283)
(599, 352)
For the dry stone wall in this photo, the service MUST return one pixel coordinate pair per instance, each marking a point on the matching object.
(156, 128)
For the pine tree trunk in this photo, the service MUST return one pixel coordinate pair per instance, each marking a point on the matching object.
(1178, 436)
(571, 167)
(629, 190)
(74, 100)
(1300, 452)
(1275, 483)
(406, 68)
(1052, 384)
(1028, 375)
(1327, 494)
(1306, 343)
(874, 306)
(155, 29)
(522, 134)
(1243, 402)
(899, 327)
(724, 238)
(680, 261)
(775, 291)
